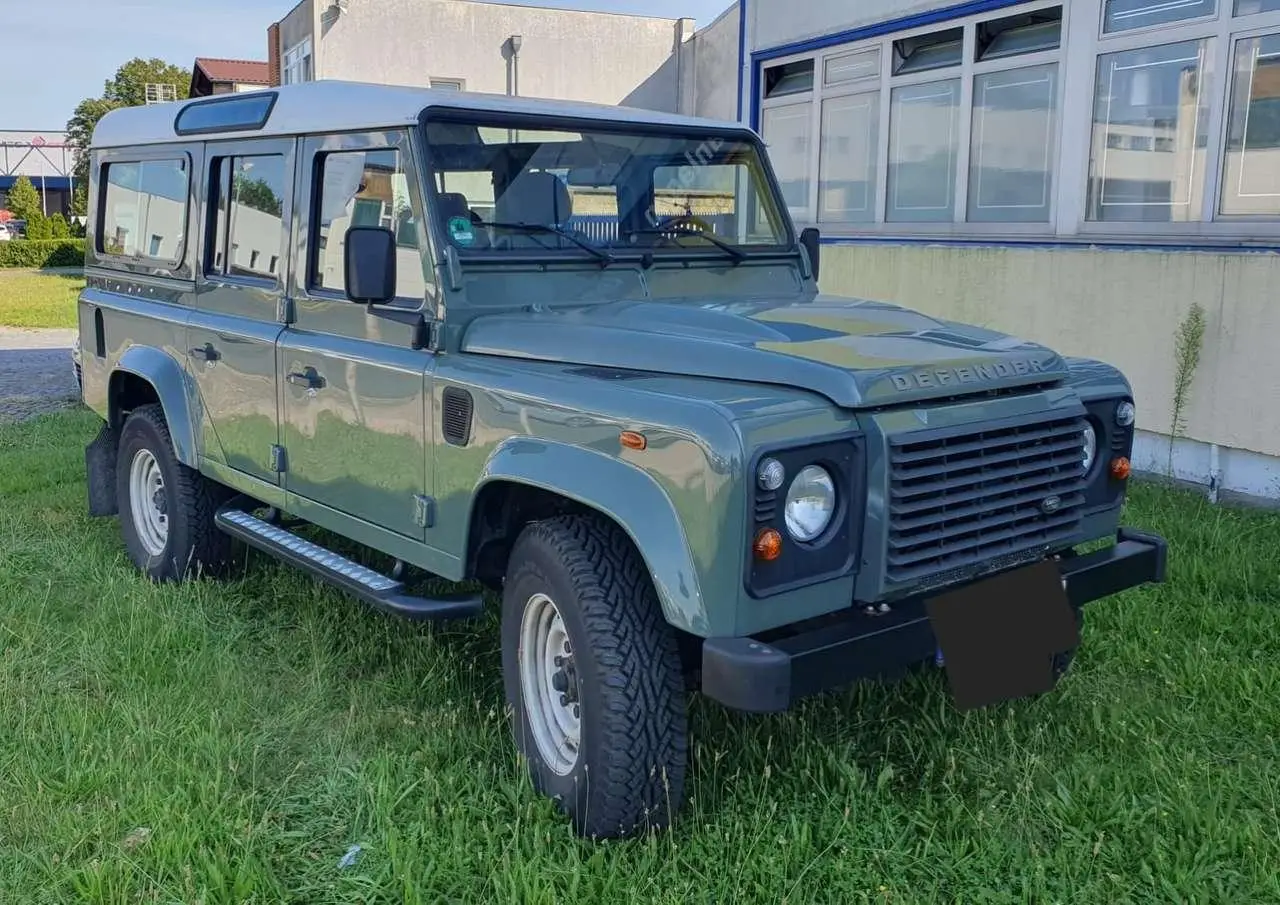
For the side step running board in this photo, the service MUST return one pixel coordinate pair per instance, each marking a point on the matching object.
(365, 584)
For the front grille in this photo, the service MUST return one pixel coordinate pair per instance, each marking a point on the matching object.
(962, 502)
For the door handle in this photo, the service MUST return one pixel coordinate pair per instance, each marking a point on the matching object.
(308, 378)
(206, 353)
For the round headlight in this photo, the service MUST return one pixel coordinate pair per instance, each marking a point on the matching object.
(811, 503)
(1090, 449)
(1126, 414)
(770, 475)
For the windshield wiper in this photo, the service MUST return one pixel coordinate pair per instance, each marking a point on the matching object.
(603, 256)
(733, 251)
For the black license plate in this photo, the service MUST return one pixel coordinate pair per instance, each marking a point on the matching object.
(997, 637)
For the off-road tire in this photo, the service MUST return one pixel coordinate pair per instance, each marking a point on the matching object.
(194, 545)
(629, 774)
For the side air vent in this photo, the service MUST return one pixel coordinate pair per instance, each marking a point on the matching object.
(456, 418)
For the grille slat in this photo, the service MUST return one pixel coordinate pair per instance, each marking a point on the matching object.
(952, 463)
(982, 445)
(1040, 485)
(1054, 465)
(978, 498)
(980, 527)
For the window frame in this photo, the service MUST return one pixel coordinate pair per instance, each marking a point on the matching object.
(179, 266)
(1081, 43)
(230, 150)
(965, 71)
(311, 184)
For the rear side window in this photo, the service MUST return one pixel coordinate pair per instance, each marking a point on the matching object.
(144, 210)
(248, 230)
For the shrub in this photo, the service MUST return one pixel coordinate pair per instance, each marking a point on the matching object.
(58, 227)
(34, 253)
(39, 229)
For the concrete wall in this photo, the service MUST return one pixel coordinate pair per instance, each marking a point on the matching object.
(708, 86)
(1122, 307)
(566, 54)
(297, 25)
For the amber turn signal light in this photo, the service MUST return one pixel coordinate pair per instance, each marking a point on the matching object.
(768, 545)
(633, 440)
(1120, 468)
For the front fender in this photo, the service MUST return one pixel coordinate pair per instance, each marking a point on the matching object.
(624, 493)
(169, 380)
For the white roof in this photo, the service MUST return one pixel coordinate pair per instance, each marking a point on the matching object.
(329, 105)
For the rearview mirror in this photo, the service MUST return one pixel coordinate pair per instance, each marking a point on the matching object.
(811, 239)
(370, 264)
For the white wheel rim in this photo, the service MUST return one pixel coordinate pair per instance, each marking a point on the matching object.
(554, 714)
(148, 503)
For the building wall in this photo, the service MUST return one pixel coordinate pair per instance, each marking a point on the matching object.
(707, 83)
(1135, 136)
(566, 54)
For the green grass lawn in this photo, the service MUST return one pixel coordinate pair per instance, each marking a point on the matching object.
(38, 299)
(227, 743)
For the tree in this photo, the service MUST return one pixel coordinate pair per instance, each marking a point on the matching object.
(24, 200)
(257, 194)
(127, 88)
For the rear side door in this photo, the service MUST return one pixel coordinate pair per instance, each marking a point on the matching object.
(240, 301)
(355, 426)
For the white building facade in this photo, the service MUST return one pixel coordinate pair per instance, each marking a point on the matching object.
(1077, 172)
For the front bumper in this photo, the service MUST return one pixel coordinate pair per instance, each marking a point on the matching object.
(768, 674)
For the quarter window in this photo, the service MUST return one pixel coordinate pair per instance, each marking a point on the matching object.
(364, 188)
(249, 201)
(144, 210)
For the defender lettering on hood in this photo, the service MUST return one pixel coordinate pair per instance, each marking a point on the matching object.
(988, 373)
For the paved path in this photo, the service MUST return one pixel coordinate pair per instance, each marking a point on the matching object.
(35, 372)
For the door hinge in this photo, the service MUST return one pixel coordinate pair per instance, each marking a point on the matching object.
(279, 463)
(424, 511)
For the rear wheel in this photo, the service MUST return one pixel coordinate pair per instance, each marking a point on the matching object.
(166, 508)
(592, 674)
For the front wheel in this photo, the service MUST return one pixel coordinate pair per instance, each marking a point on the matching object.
(593, 677)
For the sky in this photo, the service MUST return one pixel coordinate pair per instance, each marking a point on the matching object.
(66, 49)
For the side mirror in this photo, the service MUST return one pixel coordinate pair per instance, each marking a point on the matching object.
(811, 239)
(370, 265)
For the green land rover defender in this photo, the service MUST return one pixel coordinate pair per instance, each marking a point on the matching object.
(576, 355)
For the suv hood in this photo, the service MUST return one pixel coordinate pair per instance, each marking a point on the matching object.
(856, 353)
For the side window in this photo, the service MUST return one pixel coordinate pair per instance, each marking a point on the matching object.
(364, 188)
(144, 210)
(248, 228)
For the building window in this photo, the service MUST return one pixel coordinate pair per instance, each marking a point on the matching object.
(847, 173)
(1256, 7)
(787, 132)
(1011, 145)
(1251, 165)
(923, 124)
(249, 204)
(449, 84)
(144, 210)
(1143, 97)
(296, 63)
(960, 127)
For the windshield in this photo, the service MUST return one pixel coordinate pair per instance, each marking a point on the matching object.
(600, 193)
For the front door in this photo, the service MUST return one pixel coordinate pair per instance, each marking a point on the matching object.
(231, 336)
(354, 389)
